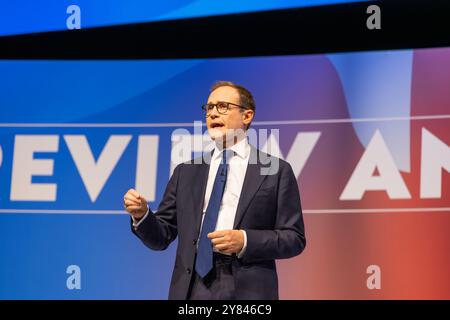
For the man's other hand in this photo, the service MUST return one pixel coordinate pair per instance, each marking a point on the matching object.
(135, 204)
(227, 241)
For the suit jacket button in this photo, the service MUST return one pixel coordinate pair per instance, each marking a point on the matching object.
(188, 271)
(194, 242)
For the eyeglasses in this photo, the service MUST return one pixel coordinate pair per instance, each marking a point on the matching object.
(222, 107)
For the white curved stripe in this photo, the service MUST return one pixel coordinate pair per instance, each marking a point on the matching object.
(305, 211)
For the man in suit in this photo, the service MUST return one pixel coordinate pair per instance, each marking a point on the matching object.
(233, 213)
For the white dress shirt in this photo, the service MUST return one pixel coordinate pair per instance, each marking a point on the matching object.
(237, 168)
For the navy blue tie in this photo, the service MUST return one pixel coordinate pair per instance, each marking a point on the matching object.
(204, 262)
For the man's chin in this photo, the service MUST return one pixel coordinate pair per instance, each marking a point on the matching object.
(217, 135)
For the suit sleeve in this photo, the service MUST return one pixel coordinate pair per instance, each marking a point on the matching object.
(159, 229)
(288, 237)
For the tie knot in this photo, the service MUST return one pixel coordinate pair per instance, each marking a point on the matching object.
(226, 155)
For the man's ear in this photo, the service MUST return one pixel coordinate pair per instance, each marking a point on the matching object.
(247, 116)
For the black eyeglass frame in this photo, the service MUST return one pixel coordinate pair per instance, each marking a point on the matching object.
(209, 106)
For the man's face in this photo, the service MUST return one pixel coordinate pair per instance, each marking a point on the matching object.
(221, 126)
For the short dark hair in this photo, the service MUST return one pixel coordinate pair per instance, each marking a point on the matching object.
(245, 96)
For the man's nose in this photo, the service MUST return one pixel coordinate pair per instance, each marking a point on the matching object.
(213, 113)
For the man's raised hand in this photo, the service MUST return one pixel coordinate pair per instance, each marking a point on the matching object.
(135, 204)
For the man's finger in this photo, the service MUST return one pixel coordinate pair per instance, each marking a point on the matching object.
(133, 208)
(134, 193)
(131, 198)
(227, 250)
(221, 247)
(132, 203)
(217, 234)
(218, 240)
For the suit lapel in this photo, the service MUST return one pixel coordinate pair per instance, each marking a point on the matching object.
(252, 182)
(199, 188)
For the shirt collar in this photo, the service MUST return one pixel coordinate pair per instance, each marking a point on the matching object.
(241, 149)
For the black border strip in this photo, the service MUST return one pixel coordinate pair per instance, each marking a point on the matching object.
(333, 28)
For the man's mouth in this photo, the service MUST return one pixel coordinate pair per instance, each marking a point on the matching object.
(216, 125)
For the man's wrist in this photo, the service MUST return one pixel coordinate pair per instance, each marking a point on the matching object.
(241, 253)
(138, 221)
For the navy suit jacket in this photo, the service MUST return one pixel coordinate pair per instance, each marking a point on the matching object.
(269, 210)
